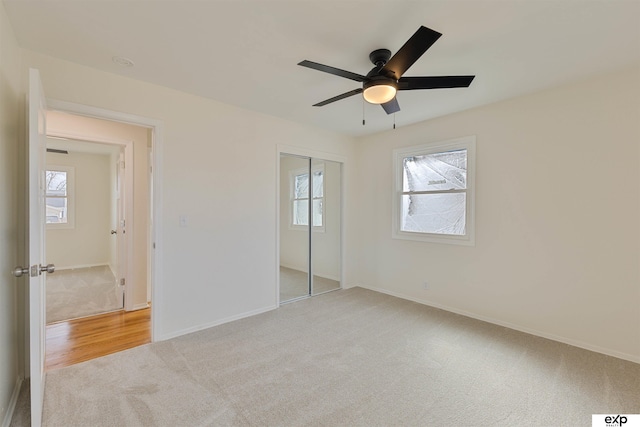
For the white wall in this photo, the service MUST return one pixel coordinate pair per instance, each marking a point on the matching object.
(326, 244)
(97, 130)
(219, 171)
(88, 242)
(10, 106)
(557, 208)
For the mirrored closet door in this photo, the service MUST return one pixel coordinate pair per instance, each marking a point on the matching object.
(310, 226)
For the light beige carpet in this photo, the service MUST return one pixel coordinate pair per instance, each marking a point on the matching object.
(295, 284)
(80, 292)
(346, 358)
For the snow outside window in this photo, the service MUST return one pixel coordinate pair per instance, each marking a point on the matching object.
(59, 196)
(300, 198)
(434, 192)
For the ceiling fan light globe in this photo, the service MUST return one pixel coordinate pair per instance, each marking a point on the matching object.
(379, 94)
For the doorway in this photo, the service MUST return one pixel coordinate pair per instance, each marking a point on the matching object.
(85, 189)
(310, 228)
(38, 107)
(106, 268)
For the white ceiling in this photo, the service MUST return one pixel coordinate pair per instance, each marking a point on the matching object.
(244, 52)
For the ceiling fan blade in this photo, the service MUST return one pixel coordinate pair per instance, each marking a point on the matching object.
(435, 82)
(333, 70)
(339, 97)
(409, 53)
(391, 106)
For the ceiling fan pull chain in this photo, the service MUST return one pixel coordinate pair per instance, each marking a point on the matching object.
(363, 112)
(394, 121)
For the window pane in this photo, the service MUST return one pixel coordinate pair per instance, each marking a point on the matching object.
(318, 179)
(300, 212)
(317, 212)
(438, 171)
(56, 210)
(56, 182)
(434, 213)
(301, 186)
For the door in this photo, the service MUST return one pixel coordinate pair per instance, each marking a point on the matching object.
(119, 231)
(36, 242)
(310, 232)
(294, 227)
(326, 268)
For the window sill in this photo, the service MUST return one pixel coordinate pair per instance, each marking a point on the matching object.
(448, 239)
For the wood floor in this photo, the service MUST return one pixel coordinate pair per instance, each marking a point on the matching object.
(78, 340)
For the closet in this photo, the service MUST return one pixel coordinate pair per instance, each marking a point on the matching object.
(310, 226)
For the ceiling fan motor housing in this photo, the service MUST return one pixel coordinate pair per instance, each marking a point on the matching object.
(379, 57)
(379, 88)
(377, 80)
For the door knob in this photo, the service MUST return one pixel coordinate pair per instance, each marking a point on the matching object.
(49, 268)
(34, 270)
(113, 231)
(19, 271)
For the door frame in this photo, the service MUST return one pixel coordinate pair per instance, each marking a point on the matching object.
(155, 240)
(319, 155)
(128, 200)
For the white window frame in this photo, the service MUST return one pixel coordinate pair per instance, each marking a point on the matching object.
(464, 143)
(292, 180)
(70, 171)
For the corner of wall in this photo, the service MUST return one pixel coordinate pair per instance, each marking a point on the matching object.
(11, 407)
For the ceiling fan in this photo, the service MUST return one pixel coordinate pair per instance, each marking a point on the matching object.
(380, 85)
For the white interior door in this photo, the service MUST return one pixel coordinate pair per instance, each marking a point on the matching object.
(121, 246)
(36, 241)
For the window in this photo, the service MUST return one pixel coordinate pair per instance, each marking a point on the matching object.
(300, 198)
(59, 196)
(433, 195)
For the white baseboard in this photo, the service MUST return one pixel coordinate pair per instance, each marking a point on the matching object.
(293, 267)
(175, 334)
(12, 403)
(74, 267)
(140, 306)
(564, 340)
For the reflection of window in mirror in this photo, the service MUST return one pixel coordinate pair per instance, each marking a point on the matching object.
(59, 196)
(299, 198)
